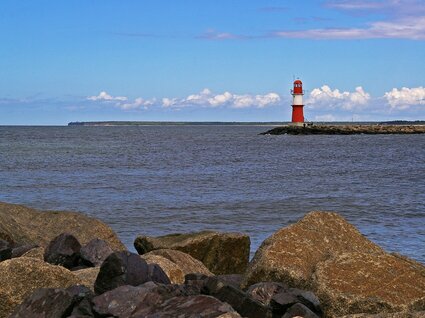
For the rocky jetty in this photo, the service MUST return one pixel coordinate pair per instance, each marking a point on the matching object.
(319, 267)
(346, 130)
(222, 253)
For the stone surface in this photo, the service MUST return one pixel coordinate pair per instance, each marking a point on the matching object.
(404, 314)
(21, 250)
(63, 250)
(29, 226)
(221, 253)
(157, 275)
(21, 276)
(264, 291)
(173, 271)
(239, 300)
(291, 254)
(370, 283)
(124, 300)
(5, 253)
(121, 268)
(234, 280)
(188, 307)
(87, 276)
(185, 262)
(37, 252)
(95, 252)
(299, 310)
(51, 303)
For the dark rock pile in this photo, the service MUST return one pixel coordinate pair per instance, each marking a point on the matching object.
(376, 129)
(319, 267)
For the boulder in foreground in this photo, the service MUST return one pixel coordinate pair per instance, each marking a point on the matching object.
(29, 226)
(291, 254)
(186, 263)
(221, 253)
(370, 283)
(350, 275)
(21, 276)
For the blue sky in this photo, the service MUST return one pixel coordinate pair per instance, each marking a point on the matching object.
(201, 60)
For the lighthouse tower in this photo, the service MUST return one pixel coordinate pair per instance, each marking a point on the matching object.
(297, 103)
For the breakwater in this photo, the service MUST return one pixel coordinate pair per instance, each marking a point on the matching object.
(346, 130)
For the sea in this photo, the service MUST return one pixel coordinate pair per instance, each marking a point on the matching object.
(157, 180)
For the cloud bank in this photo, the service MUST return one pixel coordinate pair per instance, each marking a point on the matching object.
(205, 99)
(405, 98)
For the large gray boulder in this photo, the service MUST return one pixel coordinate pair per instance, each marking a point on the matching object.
(21, 276)
(221, 253)
(29, 226)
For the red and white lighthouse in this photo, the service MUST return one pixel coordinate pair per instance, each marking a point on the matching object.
(297, 103)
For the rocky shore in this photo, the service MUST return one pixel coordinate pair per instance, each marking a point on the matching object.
(346, 130)
(65, 264)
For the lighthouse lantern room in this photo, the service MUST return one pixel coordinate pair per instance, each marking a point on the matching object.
(297, 103)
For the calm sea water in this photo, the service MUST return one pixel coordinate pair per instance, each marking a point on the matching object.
(157, 180)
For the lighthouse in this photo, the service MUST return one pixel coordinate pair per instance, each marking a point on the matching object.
(297, 103)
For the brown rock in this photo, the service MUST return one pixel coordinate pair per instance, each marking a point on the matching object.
(369, 283)
(87, 276)
(221, 253)
(291, 254)
(191, 306)
(21, 276)
(173, 271)
(37, 252)
(185, 262)
(404, 314)
(26, 226)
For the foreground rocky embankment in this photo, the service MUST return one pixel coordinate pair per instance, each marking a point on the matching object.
(346, 130)
(320, 266)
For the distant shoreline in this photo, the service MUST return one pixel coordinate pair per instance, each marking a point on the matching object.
(221, 123)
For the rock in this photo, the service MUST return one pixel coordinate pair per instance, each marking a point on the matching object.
(124, 300)
(5, 253)
(121, 268)
(87, 276)
(196, 281)
(172, 270)
(185, 262)
(51, 303)
(21, 250)
(299, 310)
(221, 253)
(188, 306)
(157, 275)
(95, 252)
(37, 252)
(29, 226)
(291, 254)
(239, 300)
(63, 250)
(234, 280)
(264, 291)
(370, 283)
(21, 276)
(404, 314)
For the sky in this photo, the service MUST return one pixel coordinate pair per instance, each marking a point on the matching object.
(221, 60)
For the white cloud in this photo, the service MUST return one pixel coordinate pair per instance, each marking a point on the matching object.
(412, 28)
(405, 97)
(139, 103)
(104, 96)
(207, 99)
(326, 98)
